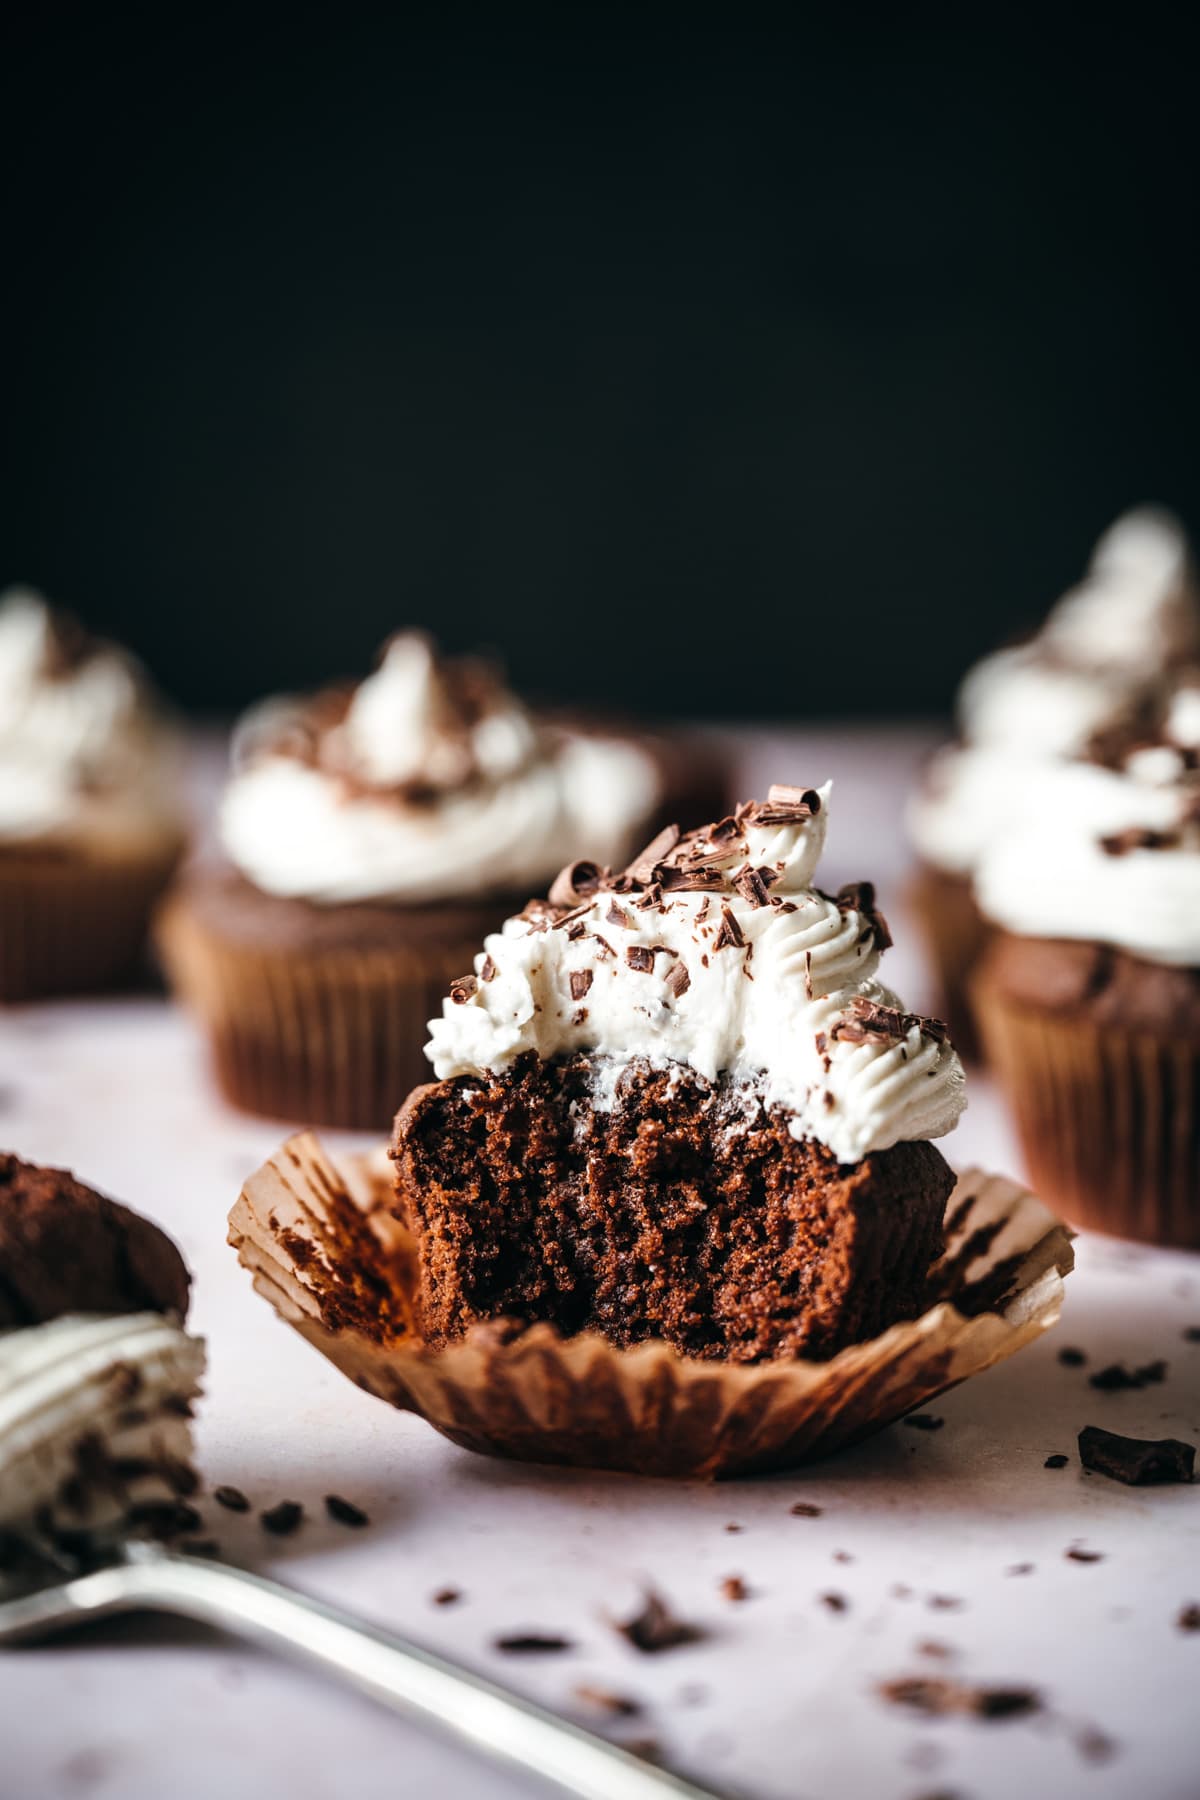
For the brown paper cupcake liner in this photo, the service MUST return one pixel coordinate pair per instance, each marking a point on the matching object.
(1109, 1120)
(955, 935)
(319, 1240)
(75, 924)
(328, 1034)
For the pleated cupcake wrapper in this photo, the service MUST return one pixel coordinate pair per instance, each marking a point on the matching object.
(1109, 1120)
(318, 1238)
(72, 924)
(331, 1036)
(955, 935)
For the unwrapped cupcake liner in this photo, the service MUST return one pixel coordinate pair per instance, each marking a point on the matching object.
(955, 935)
(318, 1237)
(1109, 1120)
(72, 923)
(327, 1035)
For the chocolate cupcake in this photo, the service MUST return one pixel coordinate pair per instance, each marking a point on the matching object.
(91, 825)
(1097, 663)
(672, 1205)
(373, 834)
(1088, 998)
(97, 1375)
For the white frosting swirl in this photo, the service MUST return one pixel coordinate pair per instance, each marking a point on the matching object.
(83, 752)
(1103, 856)
(768, 1008)
(421, 793)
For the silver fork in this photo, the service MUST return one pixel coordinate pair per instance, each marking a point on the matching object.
(400, 1675)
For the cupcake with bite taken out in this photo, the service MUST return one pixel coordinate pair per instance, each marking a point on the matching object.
(372, 834)
(91, 823)
(1097, 663)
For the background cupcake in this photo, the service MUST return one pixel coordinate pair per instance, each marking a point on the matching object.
(372, 834)
(1088, 997)
(1096, 664)
(90, 819)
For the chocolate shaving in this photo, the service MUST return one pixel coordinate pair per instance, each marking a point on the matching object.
(576, 882)
(619, 1705)
(532, 1643)
(1116, 1378)
(1138, 837)
(1058, 1461)
(488, 970)
(283, 1519)
(1075, 1554)
(734, 1588)
(655, 1627)
(344, 1512)
(752, 885)
(462, 988)
(804, 1509)
(859, 897)
(447, 1596)
(1070, 1358)
(232, 1499)
(678, 979)
(836, 1603)
(616, 915)
(581, 980)
(642, 867)
(937, 1697)
(867, 1022)
(1138, 1462)
(730, 932)
(641, 958)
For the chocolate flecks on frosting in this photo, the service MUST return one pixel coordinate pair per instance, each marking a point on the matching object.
(1138, 837)
(730, 933)
(868, 1022)
(462, 987)
(678, 979)
(641, 958)
(487, 971)
(859, 897)
(580, 981)
(576, 882)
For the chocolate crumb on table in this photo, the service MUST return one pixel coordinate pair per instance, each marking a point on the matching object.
(447, 1596)
(532, 1643)
(231, 1498)
(945, 1603)
(1020, 1569)
(283, 1519)
(924, 1422)
(1188, 1618)
(1076, 1554)
(1095, 1746)
(1139, 1462)
(936, 1697)
(734, 1527)
(804, 1509)
(734, 1588)
(835, 1603)
(1057, 1461)
(655, 1627)
(621, 1706)
(1071, 1358)
(345, 1512)
(1116, 1378)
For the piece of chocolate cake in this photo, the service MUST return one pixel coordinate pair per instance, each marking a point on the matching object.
(97, 1375)
(675, 1103)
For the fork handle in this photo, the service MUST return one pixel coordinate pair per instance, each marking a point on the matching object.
(398, 1674)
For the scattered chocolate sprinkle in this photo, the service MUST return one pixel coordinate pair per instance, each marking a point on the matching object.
(678, 979)
(732, 1527)
(935, 1697)
(836, 1603)
(734, 1588)
(1188, 1618)
(867, 1022)
(283, 1519)
(579, 1016)
(935, 1648)
(488, 970)
(447, 1596)
(1075, 1554)
(1070, 1358)
(1138, 837)
(462, 988)
(616, 915)
(752, 885)
(656, 1628)
(730, 932)
(804, 1509)
(859, 897)
(1139, 1462)
(924, 1422)
(532, 1643)
(944, 1603)
(1116, 1377)
(641, 958)
(345, 1512)
(619, 1705)
(231, 1498)
(581, 981)
(1056, 1462)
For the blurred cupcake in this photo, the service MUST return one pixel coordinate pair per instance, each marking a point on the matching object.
(1096, 665)
(373, 834)
(90, 820)
(1088, 997)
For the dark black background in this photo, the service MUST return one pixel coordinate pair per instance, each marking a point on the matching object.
(708, 369)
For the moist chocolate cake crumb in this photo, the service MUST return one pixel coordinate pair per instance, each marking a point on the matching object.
(447, 1596)
(836, 1603)
(345, 1512)
(924, 1422)
(804, 1509)
(621, 1706)
(283, 1519)
(1058, 1461)
(1075, 1554)
(1138, 1462)
(66, 1248)
(1071, 1358)
(655, 1627)
(734, 1588)
(1188, 1618)
(682, 1210)
(936, 1697)
(1116, 1378)
(532, 1643)
(231, 1498)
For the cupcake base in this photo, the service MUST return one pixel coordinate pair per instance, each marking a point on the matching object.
(955, 935)
(324, 1249)
(1099, 1056)
(75, 922)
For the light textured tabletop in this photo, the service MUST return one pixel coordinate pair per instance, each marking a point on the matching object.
(954, 1538)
